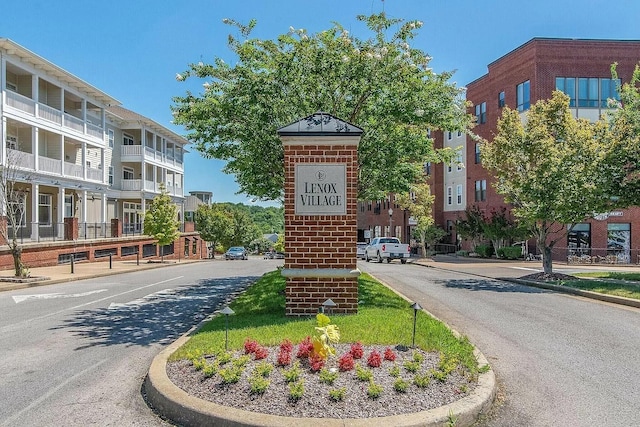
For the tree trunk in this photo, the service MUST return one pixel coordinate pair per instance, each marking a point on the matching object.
(546, 260)
(16, 252)
(423, 244)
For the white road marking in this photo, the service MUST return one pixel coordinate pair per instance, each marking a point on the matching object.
(526, 268)
(21, 298)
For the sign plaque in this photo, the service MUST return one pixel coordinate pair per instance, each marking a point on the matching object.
(320, 189)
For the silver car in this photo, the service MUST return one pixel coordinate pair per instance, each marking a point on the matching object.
(236, 252)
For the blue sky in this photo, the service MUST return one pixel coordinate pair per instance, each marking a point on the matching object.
(133, 49)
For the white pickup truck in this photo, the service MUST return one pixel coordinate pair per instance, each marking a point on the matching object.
(388, 248)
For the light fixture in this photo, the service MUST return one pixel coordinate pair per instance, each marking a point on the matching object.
(227, 312)
(415, 307)
(327, 306)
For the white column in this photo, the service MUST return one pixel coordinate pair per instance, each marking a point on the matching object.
(83, 215)
(35, 133)
(104, 167)
(62, 158)
(60, 216)
(84, 161)
(3, 135)
(104, 208)
(35, 196)
(34, 92)
(84, 114)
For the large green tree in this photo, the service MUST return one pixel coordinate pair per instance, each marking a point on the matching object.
(550, 168)
(214, 224)
(623, 156)
(381, 84)
(161, 220)
(419, 203)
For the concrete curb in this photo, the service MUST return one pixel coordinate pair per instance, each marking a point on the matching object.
(175, 404)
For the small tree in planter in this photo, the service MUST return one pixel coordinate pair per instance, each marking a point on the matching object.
(161, 220)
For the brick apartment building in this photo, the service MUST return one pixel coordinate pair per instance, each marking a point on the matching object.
(531, 72)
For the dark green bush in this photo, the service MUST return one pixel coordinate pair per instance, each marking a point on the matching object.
(510, 252)
(485, 251)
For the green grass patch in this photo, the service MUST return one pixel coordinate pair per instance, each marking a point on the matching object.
(604, 287)
(383, 318)
(611, 275)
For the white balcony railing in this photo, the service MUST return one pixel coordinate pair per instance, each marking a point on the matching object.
(95, 174)
(132, 184)
(73, 122)
(131, 150)
(95, 130)
(74, 170)
(21, 159)
(49, 113)
(47, 164)
(21, 102)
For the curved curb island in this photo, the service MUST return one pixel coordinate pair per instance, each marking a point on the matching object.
(178, 406)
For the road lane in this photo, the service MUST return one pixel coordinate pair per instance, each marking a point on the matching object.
(79, 358)
(560, 360)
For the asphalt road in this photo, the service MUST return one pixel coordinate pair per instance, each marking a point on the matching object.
(75, 354)
(559, 360)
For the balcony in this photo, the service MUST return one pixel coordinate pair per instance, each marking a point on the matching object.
(24, 160)
(52, 115)
(138, 153)
(150, 186)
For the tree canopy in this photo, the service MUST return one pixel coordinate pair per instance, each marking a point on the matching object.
(161, 220)
(380, 84)
(551, 168)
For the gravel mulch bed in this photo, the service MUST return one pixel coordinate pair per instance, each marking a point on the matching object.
(316, 401)
(544, 277)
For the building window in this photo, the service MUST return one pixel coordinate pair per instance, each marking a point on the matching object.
(567, 85)
(127, 140)
(12, 142)
(449, 167)
(449, 196)
(592, 92)
(608, 90)
(44, 209)
(427, 168)
(587, 92)
(481, 113)
(579, 239)
(523, 96)
(459, 194)
(16, 207)
(110, 175)
(112, 138)
(477, 153)
(449, 135)
(481, 190)
(501, 100)
(459, 162)
(127, 173)
(619, 241)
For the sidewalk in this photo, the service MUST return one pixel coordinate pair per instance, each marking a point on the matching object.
(41, 276)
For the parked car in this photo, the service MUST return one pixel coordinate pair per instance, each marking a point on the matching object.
(236, 252)
(388, 248)
(273, 255)
(360, 249)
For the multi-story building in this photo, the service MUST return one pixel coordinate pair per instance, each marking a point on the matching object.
(531, 72)
(78, 158)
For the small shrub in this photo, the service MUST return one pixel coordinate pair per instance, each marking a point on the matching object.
(316, 362)
(259, 384)
(305, 348)
(224, 358)
(337, 394)
(374, 390)
(346, 362)
(462, 253)
(250, 346)
(296, 390)
(210, 370)
(286, 346)
(389, 355)
(485, 251)
(284, 358)
(400, 385)
(418, 357)
(374, 360)
(241, 361)
(328, 377)
(422, 381)
(363, 374)
(263, 369)
(439, 375)
(447, 364)
(509, 252)
(199, 364)
(292, 374)
(412, 366)
(357, 351)
(230, 375)
(261, 353)
(394, 371)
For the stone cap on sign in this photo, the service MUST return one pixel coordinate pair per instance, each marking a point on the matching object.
(320, 123)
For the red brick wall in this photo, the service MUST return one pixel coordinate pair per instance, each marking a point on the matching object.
(320, 241)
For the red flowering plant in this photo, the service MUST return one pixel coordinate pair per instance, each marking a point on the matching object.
(346, 363)
(357, 351)
(284, 355)
(389, 355)
(304, 348)
(260, 352)
(316, 362)
(374, 360)
(250, 346)
(286, 345)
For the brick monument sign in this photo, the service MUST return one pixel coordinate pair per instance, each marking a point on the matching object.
(320, 202)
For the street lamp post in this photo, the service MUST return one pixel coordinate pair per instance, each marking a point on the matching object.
(390, 222)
